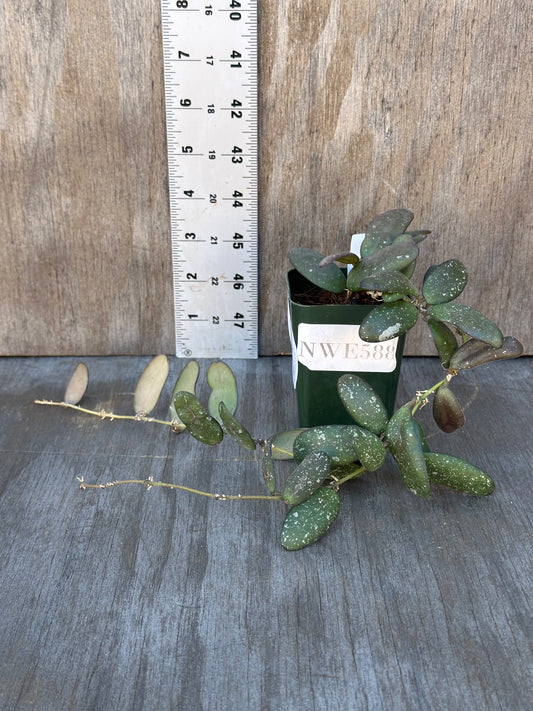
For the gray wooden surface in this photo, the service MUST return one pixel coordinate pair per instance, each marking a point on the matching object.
(363, 106)
(155, 600)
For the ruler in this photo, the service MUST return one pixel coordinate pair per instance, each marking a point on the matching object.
(210, 65)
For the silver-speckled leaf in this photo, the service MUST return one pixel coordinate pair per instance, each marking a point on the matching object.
(392, 258)
(406, 448)
(389, 282)
(458, 474)
(77, 385)
(447, 411)
(362, 403)
(384, 228)
(444, 340)
(283, 442)
(369, 448)
(186, 382)
(267, 467)
(388, 321)
(474, 353)
(221, 379)
(197, 420)
(149, 385)
(468, 320)
(444, 282)
(307, 261)
(309, 521)
(234, 428)
(306, 478)
(324, 438)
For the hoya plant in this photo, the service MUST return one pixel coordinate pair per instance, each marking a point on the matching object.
(384, 273)
(324, 458)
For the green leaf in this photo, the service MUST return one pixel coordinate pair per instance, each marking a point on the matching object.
(221, 379)
(283, 443)
(474, 353)
(468, 320)
(369, 448)
(150, 384)
(267, 467)
(447, 412)
(388, 321)
(342, 257)
(389, 282)
(362, 403)
(392, 258)
(197, 420)
(406, 448)
(306, 261)
(384, 228)
(444, 282)
(458, 474)
(186, 381)
(417, 235)
(325, 438)
(234, 428)
(444, 340)
(77, 385)
(309, 521)
(306, 478)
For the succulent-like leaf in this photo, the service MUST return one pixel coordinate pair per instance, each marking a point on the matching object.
(149, 385)
(283, 442)
(468, 320)
(307, 262)
(406, 448)
(369, 448)
(267, 467)
(384, 228)
(444, 340)
(444, 282)
(77, 385)
(458, 474)
(389, 282)
(362, 403)
(418, 235)
(388, 321)
(342, 257)
(309, 521)
(306, 478)
(197, 420)
(325, 438)
(234, 428)
(421, 436)
(392, 258)
(447, 411)
(474, 353)
(391, 298)
(223, 385)
(186, 381)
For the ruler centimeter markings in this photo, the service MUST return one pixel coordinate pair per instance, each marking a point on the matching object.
(210, 64)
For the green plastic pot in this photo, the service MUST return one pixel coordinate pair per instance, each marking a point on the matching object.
(316, 389)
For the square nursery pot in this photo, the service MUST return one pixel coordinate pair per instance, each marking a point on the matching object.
(325, 345)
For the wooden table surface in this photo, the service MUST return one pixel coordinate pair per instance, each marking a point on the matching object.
(163, 600)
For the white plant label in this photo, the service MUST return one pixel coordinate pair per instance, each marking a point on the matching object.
(339, 347)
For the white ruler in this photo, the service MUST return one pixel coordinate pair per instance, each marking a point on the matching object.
(210, 59)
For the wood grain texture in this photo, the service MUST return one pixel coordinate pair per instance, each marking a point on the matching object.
(135, 599)
(363, 107)
(84, 200)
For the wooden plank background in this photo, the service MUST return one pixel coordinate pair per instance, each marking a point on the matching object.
(363, 107)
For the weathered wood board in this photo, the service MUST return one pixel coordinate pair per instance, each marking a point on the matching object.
(363, 107)
(136, 599)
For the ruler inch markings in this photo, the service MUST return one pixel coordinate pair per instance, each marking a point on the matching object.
(210, 60)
